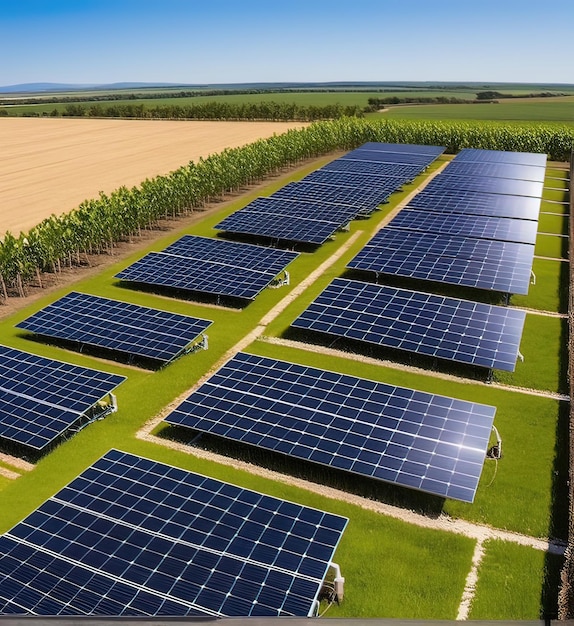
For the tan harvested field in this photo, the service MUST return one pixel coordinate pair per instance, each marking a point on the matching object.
(50, 165)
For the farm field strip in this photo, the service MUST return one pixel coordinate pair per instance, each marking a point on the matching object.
(81, 158)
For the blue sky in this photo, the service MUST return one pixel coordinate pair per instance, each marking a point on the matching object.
(230, 41)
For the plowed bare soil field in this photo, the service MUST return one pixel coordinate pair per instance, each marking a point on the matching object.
(50, 165)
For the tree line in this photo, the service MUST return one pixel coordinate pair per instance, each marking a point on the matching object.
(211, 110)
(97, 225)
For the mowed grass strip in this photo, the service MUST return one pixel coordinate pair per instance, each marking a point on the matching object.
(516, 580)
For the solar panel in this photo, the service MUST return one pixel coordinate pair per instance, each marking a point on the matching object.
(433, 151)
(279, 227)
(411, 438)
(477, 203)
(338, 213)
(481, 263)
(475, 226)
(501, 156)
(486, 185)
(445, 328)
(373, 168)
(497, 170)
(364, 200)
(421, 160)
(355, 179)
(41, 399)
(231, 253)
(119, 326)
(238, 270)
(133, 537)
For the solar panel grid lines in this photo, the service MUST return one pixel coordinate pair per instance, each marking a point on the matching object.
(356, 179)
(434, 326)
(120, 326)
(496, 170)
(477, 203)
(42, 398)
(481, 263)
(402, 436)
(360, 154)
(501, 156)
(256, 258)
(156, 540)
(210, 266)
(373, 168)
(365, 199)
(307, 210)
(484, 184)
(279, 227)
(472, 226)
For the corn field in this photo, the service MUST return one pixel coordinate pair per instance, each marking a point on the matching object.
(98, 224)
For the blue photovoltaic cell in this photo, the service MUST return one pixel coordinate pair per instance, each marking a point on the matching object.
(120, 326)
(373, 168)
(222, 268)
(474, 226)
(279, 227)
(477, 203)
(446, 328)
(133, 537)
(501, 156)
(421, 160)
(299, 209)
(431, 151)
(496, 170)
(356, 179)
(364, 200)
(481, 263)
(410, 438)
(233, 254)
(486, 185)
(40, 399)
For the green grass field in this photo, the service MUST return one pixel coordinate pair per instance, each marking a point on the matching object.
(393, 569)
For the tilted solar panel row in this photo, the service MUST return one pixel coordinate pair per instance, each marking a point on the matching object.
(435, 326)
(133, 537)
(120, 326)
(501, 156)
(496, 170)
(459, 201)
(402, 436)
(210, 266)
(41, 399)
(471, 226)
(481, 263)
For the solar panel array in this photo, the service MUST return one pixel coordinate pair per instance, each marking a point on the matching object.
(497, 170)
(477, 203)
(127, 328)
(133, 537)
(410, 438)
(485, 184)
(471, 226)
(41, 399)
(210, 266)
(412, 321)
(304, 211)
(481, 263)
(501, 156)
(486, 199)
